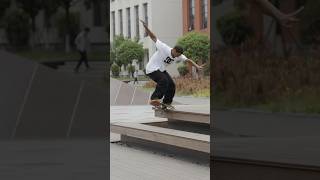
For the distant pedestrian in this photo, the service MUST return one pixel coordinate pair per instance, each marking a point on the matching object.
(82, 43)
(135, 75)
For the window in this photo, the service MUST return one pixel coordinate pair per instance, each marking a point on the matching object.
(113, 17)
(204, 14)
(121, 22)
(97, 13)
(191, 15)
(145, 10)
(136, 10)
(129, 22)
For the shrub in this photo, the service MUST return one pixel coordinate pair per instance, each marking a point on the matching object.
(183, 70)
(115, 69)
(234, 28)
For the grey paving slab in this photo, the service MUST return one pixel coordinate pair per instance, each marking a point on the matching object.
(91, 115)
(125, 95)
(49, 106)
(300, 151)
(114, 90)
(80, 159)
(257, 124)
(140, 97)
(15, 76)
(134, 164)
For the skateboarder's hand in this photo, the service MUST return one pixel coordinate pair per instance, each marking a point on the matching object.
(287, 20)
(144, 24)
(200, 67)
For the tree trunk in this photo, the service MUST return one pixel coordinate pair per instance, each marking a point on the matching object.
(67, 37)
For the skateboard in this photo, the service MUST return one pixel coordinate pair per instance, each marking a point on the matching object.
(162, 106)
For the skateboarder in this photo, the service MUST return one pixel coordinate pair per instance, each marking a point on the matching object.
(82, 42)
(156, 70)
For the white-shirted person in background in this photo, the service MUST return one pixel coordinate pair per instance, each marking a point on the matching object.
(156, 69)
(82, 43)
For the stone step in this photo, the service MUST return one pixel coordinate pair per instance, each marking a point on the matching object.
(187, 140)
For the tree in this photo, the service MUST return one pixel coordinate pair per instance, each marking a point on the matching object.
(50, 8)
(128, 51)
(66, 5)
(32, 8)
(196, 46)
(17, 27)
(4, 4)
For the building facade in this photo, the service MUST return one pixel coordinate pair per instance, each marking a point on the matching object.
(164, 18)
(94, 17)
(196, 16)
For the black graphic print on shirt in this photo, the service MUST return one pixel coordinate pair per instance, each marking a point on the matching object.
(168, 60)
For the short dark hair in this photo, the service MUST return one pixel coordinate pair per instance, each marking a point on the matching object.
(179, 49)
(87, 29)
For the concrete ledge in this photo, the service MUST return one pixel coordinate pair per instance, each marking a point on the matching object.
(179, 115)
(188, 140)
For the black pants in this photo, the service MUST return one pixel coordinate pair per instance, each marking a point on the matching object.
(83, 58)
(135, 80)
(165, 86)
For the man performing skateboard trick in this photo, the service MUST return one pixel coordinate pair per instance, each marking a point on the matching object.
(156, 70)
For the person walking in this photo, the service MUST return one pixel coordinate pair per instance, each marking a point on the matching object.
(135, 76)
(82, 43)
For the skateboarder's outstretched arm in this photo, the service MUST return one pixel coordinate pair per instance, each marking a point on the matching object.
(195, 64)
(152, 36)
(285, 20)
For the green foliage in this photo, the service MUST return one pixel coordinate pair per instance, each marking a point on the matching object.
(32, 8)
(196, 46)
(234, 28)
(4, 4)
(131, 69)
(183, 70)
(310, 22)
(125, 50)
(17, 27)
(49, 8)
(61, 23)
(115, 69)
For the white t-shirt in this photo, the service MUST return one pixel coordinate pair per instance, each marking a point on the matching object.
(82, 42)
(161, 58)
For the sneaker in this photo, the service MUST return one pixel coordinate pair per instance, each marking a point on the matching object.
(155, 102)
(168, 106)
